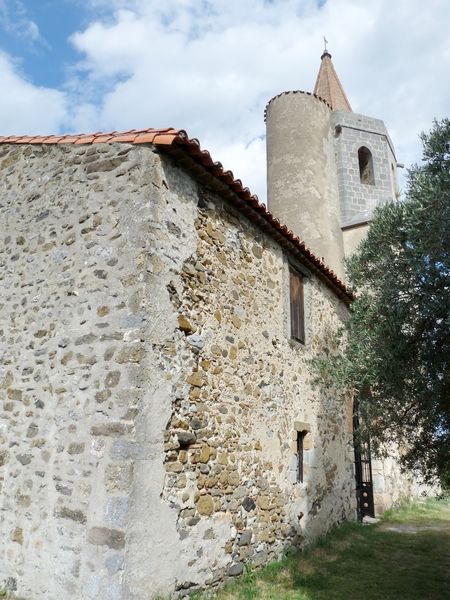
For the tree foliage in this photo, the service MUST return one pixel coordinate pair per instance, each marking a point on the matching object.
(397, 355)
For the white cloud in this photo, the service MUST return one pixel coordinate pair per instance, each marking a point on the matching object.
(14, 19)
(26, 108)
(211, 66)
(210, 73)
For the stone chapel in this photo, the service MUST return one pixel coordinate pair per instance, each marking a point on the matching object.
(160, 427)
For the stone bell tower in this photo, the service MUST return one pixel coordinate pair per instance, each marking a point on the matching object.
(327, 167)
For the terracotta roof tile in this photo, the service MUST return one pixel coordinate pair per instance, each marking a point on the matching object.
(171, 139)
(25, 140)
(84, 139)
(51, 139)
(125, 137)
(103, 139)
(68, 139)
(295, 92)
(328, 85)
(145, 138)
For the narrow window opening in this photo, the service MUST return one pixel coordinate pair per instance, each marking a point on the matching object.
(297, 306)
(365, 166)
(300, 455)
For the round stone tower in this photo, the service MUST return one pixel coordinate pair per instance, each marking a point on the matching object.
(327, 167)
(302, 184)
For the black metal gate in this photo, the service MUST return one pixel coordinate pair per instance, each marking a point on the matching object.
(363, 473)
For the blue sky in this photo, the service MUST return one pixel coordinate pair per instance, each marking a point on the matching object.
(210, 66)
(45, 55)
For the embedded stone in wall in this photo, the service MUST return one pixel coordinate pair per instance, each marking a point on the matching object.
(102, 536)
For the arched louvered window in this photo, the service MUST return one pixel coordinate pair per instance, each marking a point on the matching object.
(365, 166)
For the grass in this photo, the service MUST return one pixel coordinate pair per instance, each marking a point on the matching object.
(431, 510)
(405, 557)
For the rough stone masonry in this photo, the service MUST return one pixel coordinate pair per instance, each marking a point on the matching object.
(150, 393)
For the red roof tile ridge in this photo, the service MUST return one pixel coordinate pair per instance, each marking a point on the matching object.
(88, 138)
(295, 92)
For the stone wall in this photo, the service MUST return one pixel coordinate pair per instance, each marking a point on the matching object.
(150, 393)
(392, 486)
(232, 471)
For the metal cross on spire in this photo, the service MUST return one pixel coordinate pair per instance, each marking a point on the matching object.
(325, 44)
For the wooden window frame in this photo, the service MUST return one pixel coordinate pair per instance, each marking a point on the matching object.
(297, 305)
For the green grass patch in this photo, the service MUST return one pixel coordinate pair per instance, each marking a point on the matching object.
(405, 557)
(431, 509)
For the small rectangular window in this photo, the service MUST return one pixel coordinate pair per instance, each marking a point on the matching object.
(297, 305)
(300, 438)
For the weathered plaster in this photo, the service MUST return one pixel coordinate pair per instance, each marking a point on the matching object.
(302, 185)
(87, 235)
(353, 236)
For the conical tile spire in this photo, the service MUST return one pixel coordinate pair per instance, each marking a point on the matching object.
(328, 85)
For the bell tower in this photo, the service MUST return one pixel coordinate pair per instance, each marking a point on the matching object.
(327, 167)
